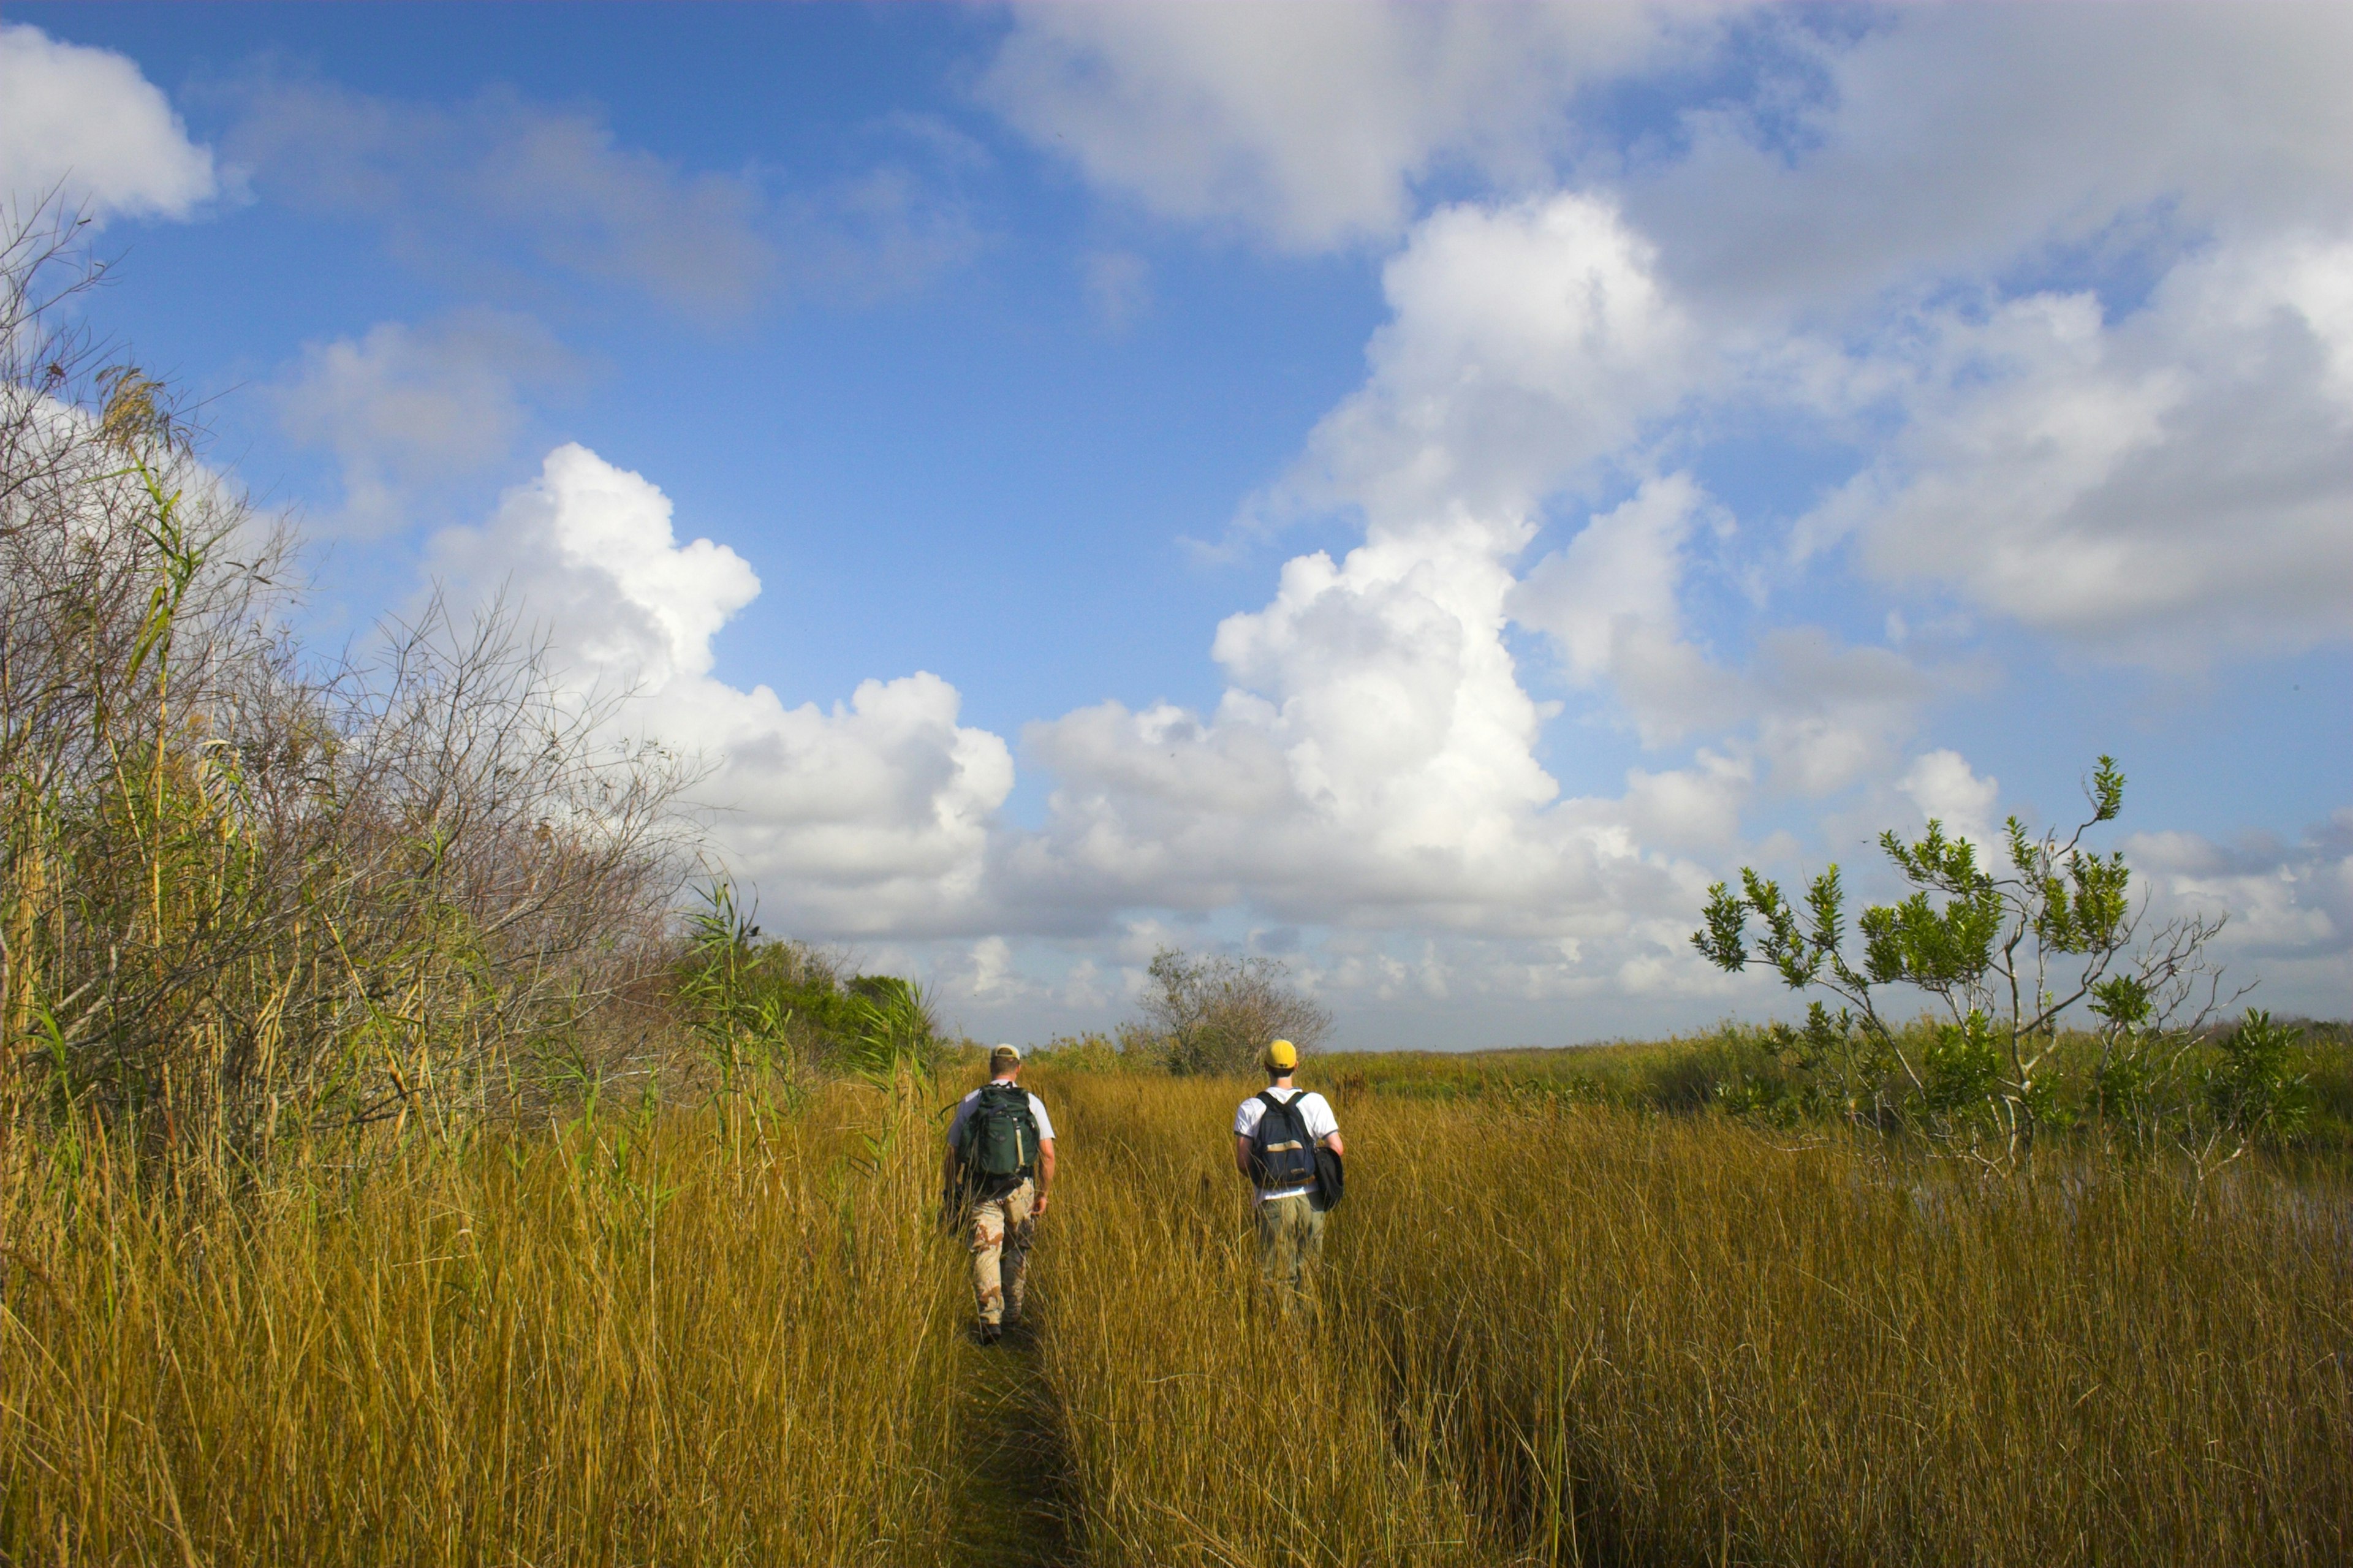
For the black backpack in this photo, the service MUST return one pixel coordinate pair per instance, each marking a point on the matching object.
(1281, 1153)
(1000, 1138)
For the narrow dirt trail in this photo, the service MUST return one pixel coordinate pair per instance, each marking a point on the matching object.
(1013, 1489)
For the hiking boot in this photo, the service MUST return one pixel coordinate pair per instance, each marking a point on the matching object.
(989, 1333)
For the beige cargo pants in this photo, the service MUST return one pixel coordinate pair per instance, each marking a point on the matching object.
(1001, 1229)
(1290, 1245)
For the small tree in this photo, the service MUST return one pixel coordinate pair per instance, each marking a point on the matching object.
(1217, 1014)
(2007, 953)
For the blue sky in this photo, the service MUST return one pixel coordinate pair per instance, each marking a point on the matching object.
(1417, 491)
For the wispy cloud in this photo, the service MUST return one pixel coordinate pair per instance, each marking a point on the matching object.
(502, 192)
(406, 410)
(1118, 287)
(1305, 126)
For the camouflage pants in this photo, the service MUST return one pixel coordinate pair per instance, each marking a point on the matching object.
(1001, 1229)
(1290, 1245)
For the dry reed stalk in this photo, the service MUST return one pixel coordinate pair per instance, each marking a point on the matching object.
(685, 1340)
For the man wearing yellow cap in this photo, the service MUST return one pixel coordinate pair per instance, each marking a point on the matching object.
(1275, 1137)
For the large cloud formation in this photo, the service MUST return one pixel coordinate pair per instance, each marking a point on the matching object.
(2067, 299)
(2074, 294)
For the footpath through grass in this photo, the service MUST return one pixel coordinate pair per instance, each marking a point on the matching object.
(1011, 1501)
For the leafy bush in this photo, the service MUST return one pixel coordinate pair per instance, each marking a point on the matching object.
(784, 1007)
(2254, 1088)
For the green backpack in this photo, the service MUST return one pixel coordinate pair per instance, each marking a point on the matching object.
(1000, 1137)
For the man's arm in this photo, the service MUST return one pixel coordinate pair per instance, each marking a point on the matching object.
(1330, 1140)
(1242, 1154)
(950, 1183)
(951, 1160)
(1045, 1172)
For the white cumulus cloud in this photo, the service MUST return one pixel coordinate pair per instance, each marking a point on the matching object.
(872, 816)
(1947, 790)
(90, 121)
(1526, 343)
(2290, 907)
(2165, 488)
(1374, 760)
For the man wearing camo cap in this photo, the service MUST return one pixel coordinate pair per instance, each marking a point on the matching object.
(1000, 1167)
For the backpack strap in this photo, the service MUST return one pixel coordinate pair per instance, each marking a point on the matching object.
(1298, 1096)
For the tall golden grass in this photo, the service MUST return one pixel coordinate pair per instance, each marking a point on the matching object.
(1546, 1332)
(1200, 1426)
(1576, 1334)
(701, 1336)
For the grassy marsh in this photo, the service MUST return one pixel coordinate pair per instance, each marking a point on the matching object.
(1551, 1331)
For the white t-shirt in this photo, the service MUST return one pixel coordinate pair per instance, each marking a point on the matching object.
(963, 1114)
(1314, 1110)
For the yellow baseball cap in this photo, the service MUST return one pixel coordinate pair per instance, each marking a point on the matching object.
(1281, 1055)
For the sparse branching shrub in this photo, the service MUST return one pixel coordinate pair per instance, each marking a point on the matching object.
(2007, 953)
(1216, 1013)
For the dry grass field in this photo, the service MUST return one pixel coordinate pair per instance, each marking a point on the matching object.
(1576, 1334)
(1549, 1332)
(702, 1338)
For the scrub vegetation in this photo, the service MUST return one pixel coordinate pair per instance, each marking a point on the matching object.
(392, 1171)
